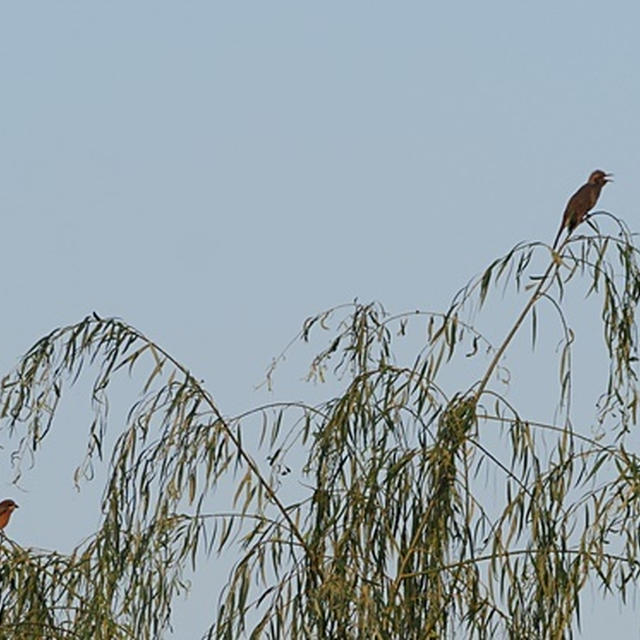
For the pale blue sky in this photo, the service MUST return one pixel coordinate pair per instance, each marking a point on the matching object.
(214, 173)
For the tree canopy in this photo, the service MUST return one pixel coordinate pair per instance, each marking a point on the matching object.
(388, 529)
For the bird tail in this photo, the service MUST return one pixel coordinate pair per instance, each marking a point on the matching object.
(555, 242)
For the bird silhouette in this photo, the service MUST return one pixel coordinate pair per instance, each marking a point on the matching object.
(7, 507)
(582, 201)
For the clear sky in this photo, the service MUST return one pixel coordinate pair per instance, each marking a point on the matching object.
(213, 173)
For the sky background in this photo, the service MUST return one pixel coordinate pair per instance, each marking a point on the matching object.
(214, 173)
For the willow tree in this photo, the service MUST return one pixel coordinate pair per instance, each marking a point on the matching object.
(389, 530)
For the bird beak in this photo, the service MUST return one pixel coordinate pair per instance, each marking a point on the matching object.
(607, 177)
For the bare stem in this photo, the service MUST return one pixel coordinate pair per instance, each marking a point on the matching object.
(518, 323)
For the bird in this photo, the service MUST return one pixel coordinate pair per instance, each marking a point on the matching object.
(582, 201)
(7, 507)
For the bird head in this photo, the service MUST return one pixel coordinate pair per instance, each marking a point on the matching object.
(8, 505)
(600, 177)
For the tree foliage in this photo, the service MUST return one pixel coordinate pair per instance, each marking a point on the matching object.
(391, 531)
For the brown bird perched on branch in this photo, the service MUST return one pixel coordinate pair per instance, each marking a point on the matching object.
(7, 507)
(582, 201)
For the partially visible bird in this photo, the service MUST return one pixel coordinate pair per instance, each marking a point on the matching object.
(7, 507)
(582, 201)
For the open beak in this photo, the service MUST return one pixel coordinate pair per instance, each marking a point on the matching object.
(607, 177)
